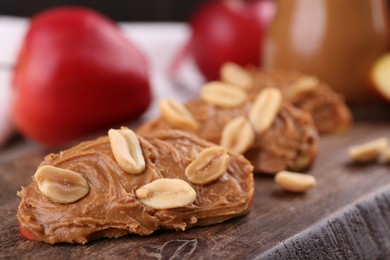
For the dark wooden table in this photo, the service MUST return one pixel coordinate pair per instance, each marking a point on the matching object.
(346, 216)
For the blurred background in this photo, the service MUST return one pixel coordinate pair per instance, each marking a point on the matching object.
(120, 10)
(179, 52)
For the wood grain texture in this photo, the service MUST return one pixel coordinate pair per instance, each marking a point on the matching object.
(346, 216)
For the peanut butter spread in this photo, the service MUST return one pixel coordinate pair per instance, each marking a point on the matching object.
(290, 143)
(328, 109)
(111, 207)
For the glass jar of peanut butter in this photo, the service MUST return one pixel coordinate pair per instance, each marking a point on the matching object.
(335, 40)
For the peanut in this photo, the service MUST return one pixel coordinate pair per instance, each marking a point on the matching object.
(166, 194)
(61, 185)
(127, 150)
(294, 182)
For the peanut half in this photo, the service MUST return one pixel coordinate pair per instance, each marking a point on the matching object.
(127, 150)
(166, 194)
(222, 94)
(238, 135)
(178, 115)
(302, 85)
(210, 164)
(294, 182)
(385, 156)
(265, 109)
(61, 185)
(236, 75)
(369, 151)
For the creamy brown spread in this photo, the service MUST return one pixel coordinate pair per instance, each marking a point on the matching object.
(328, 109)
(290, 143)
(111, 208)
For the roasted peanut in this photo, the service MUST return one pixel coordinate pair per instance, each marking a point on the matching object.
(222, 95)
(127, 150)
(61, 185)
(210, 164)
(178, 115)
(265, 109)
(238, 135)
(295, 182)
(302, 85)
(236, 75)
(166, 194)
(369, 151)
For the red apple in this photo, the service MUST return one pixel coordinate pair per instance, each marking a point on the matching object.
(76, 73)
(225, 31)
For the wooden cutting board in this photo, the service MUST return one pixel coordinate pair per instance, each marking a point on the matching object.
(346, 216)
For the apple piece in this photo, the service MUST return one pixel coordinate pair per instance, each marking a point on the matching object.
(26, 233)
(380, 76)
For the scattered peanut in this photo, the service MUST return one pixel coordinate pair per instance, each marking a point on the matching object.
(127, 150)
(166, 194)
(294, 182)
(369, 151)
(61, 185)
